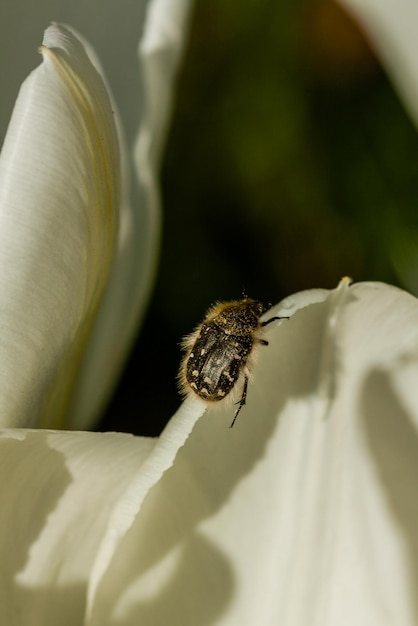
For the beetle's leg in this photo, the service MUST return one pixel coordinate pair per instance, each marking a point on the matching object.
(264, 342)
(277, 317)
(242, 401)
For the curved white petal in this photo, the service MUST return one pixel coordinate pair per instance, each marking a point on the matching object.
(392, 28)
(305, 513)
(59, 196)
(57, 492)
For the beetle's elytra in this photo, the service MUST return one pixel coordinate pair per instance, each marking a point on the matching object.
(218, 353)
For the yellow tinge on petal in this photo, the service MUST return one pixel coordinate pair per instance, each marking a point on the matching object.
(96, 124)
(59, 199)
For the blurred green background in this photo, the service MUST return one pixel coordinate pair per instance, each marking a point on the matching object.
(290, 162)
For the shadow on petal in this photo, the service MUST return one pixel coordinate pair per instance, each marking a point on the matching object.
(30, 491)
(64, 604)
(393, 442)
(192, 585)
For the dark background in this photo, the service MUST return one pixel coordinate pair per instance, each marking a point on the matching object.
(290, 162)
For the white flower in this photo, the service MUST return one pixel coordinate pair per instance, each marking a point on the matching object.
(304, 514)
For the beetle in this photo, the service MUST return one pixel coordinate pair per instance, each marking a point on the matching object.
(219, 352)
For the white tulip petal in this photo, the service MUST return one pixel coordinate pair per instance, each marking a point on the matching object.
(57, 492)
(160, 50)
(391, 26)
(59, 196)
(305, 513)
